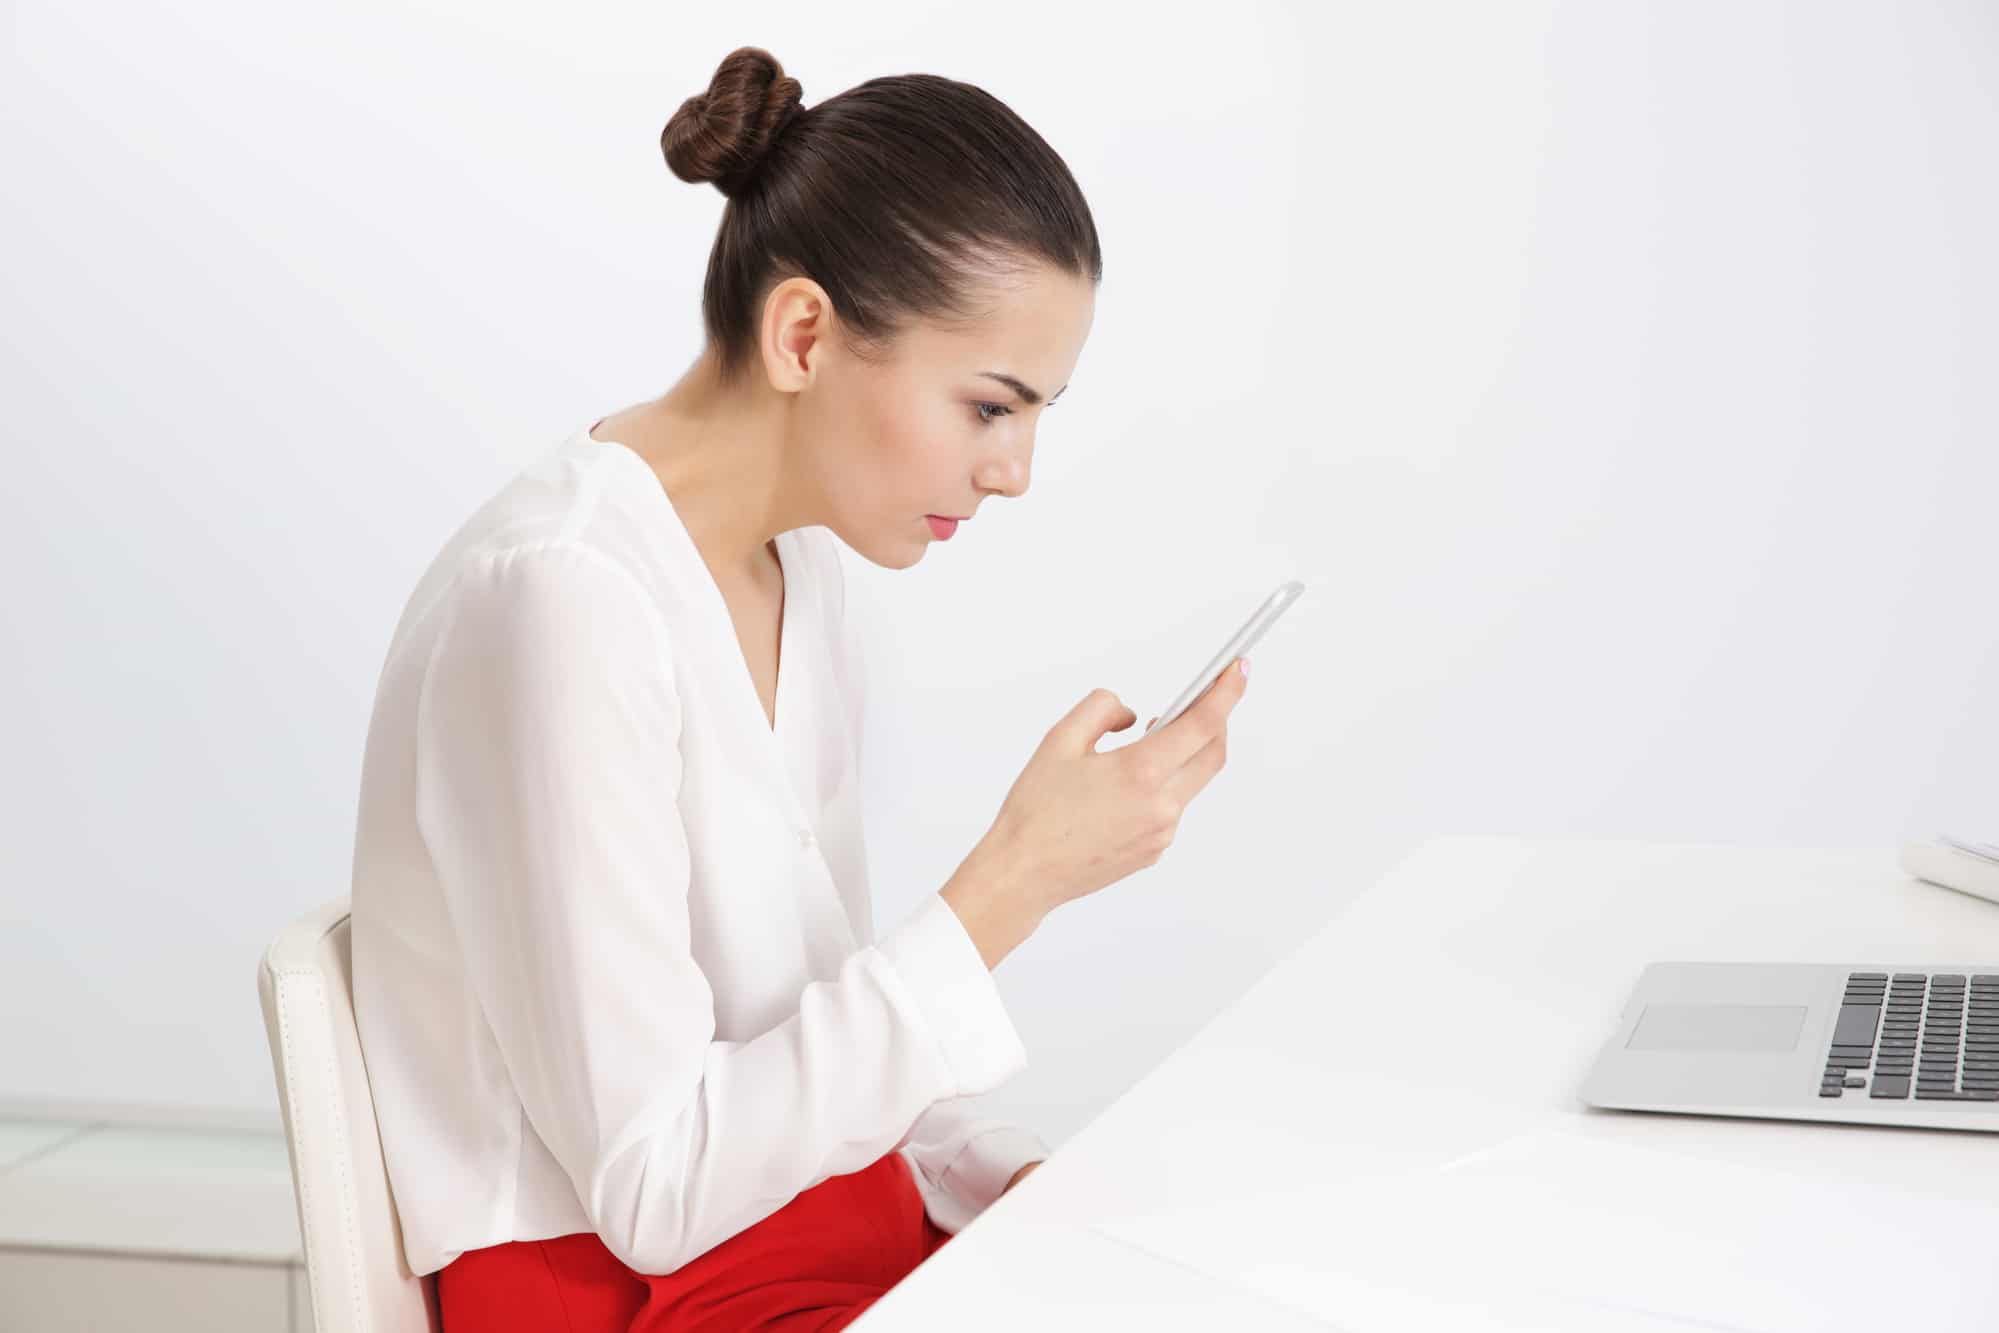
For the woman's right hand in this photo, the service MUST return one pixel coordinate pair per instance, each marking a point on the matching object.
(1077, 819)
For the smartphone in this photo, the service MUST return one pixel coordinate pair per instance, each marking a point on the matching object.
(1238, 645)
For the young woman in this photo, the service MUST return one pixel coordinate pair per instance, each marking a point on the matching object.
(638, 1059)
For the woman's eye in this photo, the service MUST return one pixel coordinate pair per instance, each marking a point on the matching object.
(998, 410)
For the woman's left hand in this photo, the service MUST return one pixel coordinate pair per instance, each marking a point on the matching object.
(1021, 1175)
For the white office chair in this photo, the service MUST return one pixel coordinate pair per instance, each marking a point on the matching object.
(347, 1217)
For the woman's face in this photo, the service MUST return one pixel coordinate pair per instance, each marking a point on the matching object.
(931, 430)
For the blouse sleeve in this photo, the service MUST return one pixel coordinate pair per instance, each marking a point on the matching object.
(548, 769)
(963, 1154)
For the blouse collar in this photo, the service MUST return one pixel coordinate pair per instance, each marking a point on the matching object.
(776, 746)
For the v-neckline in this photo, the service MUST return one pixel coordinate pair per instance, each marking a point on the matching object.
(791, 582)
(784, 643)
(779, 753)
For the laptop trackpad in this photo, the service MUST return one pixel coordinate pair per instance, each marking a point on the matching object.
(1718, 1027)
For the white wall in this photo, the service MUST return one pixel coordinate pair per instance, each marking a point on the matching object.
(1618, 378)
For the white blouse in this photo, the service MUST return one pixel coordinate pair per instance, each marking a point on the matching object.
(615, 967)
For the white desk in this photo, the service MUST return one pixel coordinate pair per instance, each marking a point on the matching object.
(1335, 1082)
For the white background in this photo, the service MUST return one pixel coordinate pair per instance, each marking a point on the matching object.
(1619, 380)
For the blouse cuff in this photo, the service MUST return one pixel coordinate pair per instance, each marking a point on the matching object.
(979, 1174)
(940, 965)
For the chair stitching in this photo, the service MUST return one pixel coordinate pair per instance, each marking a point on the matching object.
(343, 1186)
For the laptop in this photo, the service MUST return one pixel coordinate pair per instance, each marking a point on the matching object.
(1866, 1043)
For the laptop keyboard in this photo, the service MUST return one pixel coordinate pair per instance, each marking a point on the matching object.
(1916, 1036)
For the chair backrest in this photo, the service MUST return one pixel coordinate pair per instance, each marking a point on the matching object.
(354, 1261)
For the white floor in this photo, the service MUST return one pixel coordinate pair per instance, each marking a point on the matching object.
(115, 1227)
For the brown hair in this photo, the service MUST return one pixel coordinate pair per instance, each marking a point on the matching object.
(896, 196)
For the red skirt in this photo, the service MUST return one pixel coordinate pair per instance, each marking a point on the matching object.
(812, 1265)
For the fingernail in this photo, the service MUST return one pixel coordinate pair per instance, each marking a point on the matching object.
(1242, 665)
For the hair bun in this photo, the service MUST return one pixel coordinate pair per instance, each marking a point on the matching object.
(723, 134)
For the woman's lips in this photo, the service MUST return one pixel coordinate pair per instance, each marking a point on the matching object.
(942, 528)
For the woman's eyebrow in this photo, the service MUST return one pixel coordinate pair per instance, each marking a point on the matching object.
(1027, 395)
